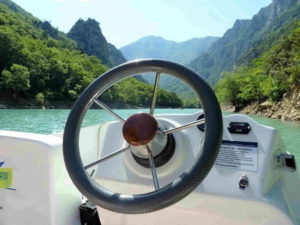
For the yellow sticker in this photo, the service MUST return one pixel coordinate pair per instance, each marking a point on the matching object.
(6, 175)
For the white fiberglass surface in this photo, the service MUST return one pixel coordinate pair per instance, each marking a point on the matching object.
(123, 175)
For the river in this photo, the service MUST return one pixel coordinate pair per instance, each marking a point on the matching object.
(53, 120)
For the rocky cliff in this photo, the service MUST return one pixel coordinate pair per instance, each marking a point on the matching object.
(91, 41)
(288, 108)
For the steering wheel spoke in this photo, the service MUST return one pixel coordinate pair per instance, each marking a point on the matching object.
(153, 169)
(106, 157)
(155, 91)
(106, 108)
(188, 125)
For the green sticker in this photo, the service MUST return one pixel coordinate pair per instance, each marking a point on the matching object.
(6, 175)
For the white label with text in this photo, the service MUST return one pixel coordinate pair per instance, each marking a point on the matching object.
(238, 155)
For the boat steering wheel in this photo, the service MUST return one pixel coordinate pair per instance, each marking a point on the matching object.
(161, 197)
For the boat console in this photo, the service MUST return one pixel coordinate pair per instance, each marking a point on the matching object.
(150, 168)
(253, 180)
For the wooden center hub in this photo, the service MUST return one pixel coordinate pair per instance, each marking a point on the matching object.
(140, 129)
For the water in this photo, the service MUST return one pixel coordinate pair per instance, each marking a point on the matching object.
(49, 121)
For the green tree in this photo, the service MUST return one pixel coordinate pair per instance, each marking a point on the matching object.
(16, 79)
(228, 90)
(40, 98)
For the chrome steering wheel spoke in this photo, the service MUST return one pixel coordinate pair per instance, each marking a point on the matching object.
(188, 125)
(153, 169)
(106, 108)
(106, 157)
(155, 91)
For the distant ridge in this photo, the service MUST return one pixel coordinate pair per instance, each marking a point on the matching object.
(157, 47)
(180, 52)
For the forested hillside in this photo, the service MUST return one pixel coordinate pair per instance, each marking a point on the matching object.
(274, 74)
(40, 64)
(246, 40)
(266, 80)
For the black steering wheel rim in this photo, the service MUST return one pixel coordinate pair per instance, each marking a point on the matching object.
(171, 193)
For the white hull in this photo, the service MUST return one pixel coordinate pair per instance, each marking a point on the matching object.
(45, 195)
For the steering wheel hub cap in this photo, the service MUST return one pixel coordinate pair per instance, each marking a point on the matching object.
(140, 129)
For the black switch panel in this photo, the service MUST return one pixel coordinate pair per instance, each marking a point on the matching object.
(239, 128)
(290, 161)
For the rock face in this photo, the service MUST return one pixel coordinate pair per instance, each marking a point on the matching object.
(240, 43)
(276, 8)
(91, 41)
(286, 109)
(115, 56)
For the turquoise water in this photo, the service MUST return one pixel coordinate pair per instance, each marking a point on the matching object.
(46, 121)
(53, 120)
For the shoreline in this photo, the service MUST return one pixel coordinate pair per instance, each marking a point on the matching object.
(250, 111)
(287, 109)
(30, 104)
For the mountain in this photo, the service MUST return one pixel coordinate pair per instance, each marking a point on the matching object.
(17, 9)
(270, 84)
(39, 65)
(115, 56)
(247, 39)
(38, 61)
(265, 77)
(90, 40)
(157, 47)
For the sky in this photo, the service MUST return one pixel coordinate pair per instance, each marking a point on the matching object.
(125, 21)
